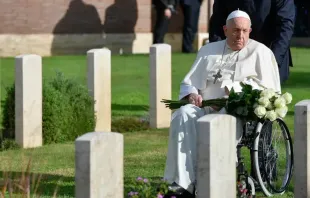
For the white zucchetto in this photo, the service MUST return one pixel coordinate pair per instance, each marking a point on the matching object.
(238, 13)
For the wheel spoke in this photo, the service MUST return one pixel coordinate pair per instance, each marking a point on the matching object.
(275, 158)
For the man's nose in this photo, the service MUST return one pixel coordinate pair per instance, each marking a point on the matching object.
(239, 34)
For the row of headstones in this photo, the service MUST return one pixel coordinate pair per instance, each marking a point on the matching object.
(99, 169)
(28, 91)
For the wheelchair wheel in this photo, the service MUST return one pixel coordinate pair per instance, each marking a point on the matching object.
(273, 157)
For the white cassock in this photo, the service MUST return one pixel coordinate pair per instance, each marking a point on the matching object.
(254, 64)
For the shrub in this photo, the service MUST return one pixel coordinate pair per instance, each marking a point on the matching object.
(8, 113)
(7, 144)
(57, 115)
(68, 110)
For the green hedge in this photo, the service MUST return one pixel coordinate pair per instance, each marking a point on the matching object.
(68, 110)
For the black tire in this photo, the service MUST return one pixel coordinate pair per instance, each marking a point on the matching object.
(267, 160)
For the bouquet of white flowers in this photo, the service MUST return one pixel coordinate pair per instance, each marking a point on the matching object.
(271, 105)
(249, 104)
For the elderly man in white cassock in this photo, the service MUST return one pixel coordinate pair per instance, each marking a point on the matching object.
(218, 67)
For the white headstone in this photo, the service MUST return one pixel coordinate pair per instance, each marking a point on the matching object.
(301, 148)
(99, 165)
(216, 156)
(28, 100)
(160, 85)
(99, 85)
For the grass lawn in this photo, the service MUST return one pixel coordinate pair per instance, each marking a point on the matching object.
(145, 151)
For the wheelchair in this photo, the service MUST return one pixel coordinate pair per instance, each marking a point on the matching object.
(271, 158)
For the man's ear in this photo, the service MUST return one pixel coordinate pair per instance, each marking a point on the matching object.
(250, 30)
(225, 29)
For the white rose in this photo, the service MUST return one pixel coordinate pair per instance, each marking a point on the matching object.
(279, 102)
(264, 101)
(281, 111)
(267, 93)
(260, 111)
(288, 97)
(271, 115)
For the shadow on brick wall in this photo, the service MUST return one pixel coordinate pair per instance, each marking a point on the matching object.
(81, 28)
(119, 26)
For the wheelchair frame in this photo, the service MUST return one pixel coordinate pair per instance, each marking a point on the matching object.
(249, 184)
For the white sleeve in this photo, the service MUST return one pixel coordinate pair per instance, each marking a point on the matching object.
(187, 85)
(187, 89)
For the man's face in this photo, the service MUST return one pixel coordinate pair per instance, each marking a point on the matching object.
(237, 32)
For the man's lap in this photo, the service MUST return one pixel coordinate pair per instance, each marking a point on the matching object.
(191, 112)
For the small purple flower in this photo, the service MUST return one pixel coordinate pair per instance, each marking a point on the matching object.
(145, 180)
(139, 178)
(173, 197)
(136, 193)
(160, 196)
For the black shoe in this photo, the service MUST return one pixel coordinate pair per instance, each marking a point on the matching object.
(175, 189)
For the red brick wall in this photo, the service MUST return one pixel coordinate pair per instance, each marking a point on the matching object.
(79, 16)
(75, 16)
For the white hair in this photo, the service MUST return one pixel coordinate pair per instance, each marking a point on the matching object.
(227, 21)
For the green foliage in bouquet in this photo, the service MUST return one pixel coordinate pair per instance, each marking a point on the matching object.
(242, 104)
(175, 104)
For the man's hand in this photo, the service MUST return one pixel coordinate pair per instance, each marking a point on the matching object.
(215, 108)
(195, 99)
(168, 13)
(226, 91)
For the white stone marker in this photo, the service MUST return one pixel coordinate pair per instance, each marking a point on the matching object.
(99, 165)
(160, 85)
(99, 85)
(301, 149)
(216, 156)
(28, 100)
